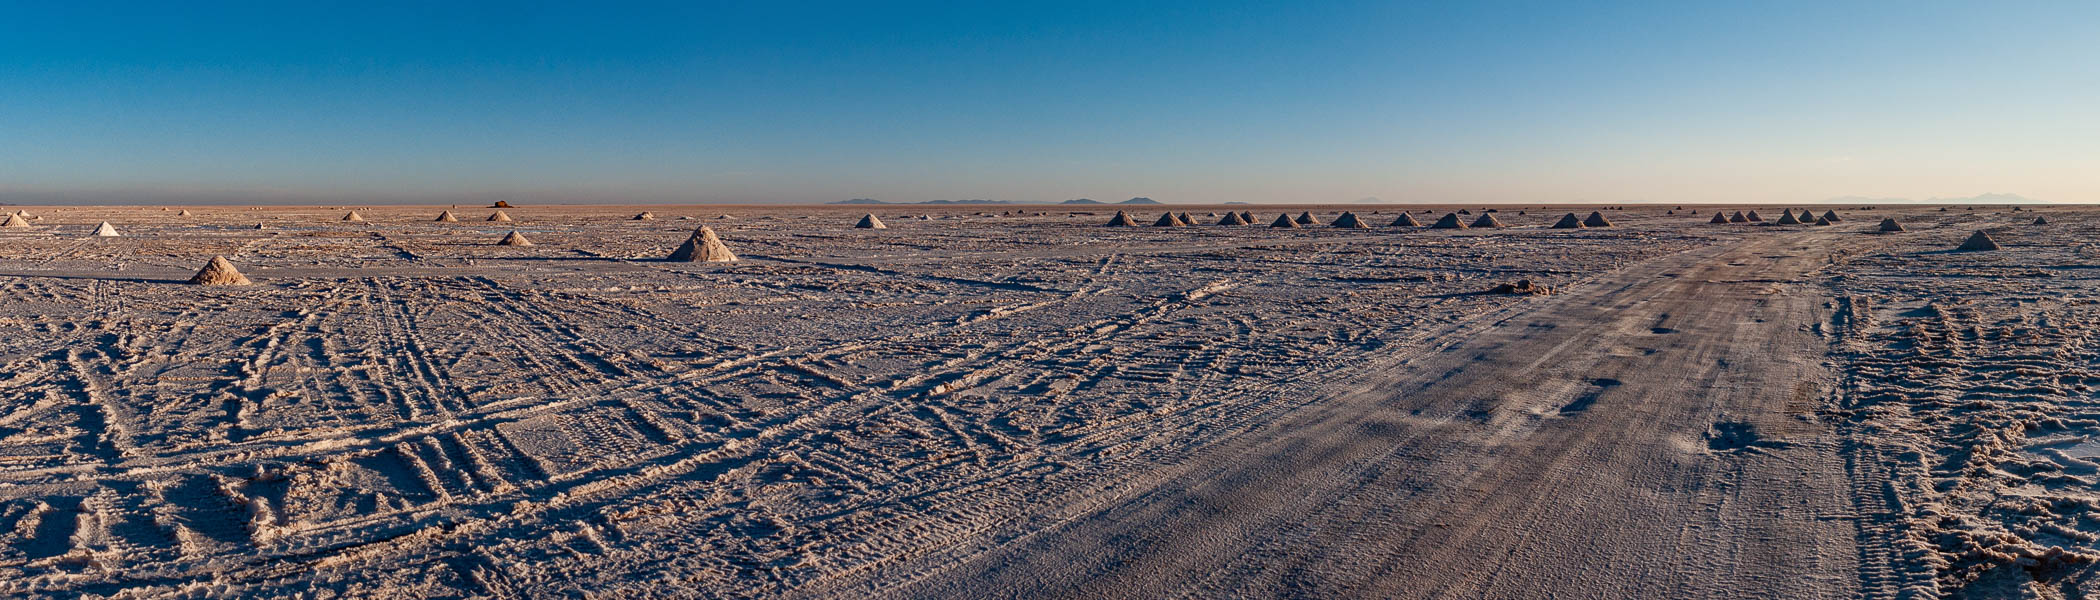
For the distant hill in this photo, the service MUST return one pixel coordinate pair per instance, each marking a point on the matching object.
(1993, 198)
(874, 201)
(1081, 201)
(1139, 200)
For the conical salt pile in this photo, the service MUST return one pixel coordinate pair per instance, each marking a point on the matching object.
(2041, 220)
(1718, 218)
(499, 216)
(703, 246)
(1284, 220)
(1891, 226)
(219, 272)
(1786, 217)
(868, 221)
(1821, 221)
(1753, 217)
(1450, 221)
(1807, 217)
(1568, 221)
(1832, 216)
(15, 220)
(1167, 220)
(645, 216)
(446, 217)
(183, 213)
(1487, 220)
(1348, 220)
(1979, 241)
(1188, 220)
(1247, 216)
(104, 230)
(259, 226)
(1596, 220)
(1738, 218)
(1232, 218)
(514, 239)
(1122, 220)
(1405, 220)
(1306, 218)
(354, 217)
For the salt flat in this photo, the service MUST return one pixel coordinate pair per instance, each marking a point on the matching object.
(1018, 401)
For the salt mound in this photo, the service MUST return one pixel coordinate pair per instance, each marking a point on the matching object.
(1738, 218)
(1232, 218)
(1167, 220)
(219, 272)
(1247, 216)
(1284, 220)
(104, 230)
(1752, 216)
(446, 217)
(1405, 221)
(15, 220)
(868, 221)
(354, 217)
(1188, 220)
(1348, 220)
(1979, 241)
(1487, 220)
(1832, 216)
(645, 216)
(1890, 225)
(1807, 217)
(2041, 220)
(1822, 221)
(1306, 218)
(183, 213)
(1122, 219)
(703, 246)
(1450, 221)
(1718, 218)
(1596, 220)
(1786, 217)
(1568, 221)
(499, 216)
(514, 239)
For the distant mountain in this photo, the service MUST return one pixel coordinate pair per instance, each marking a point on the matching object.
(874, 201)
(1992, 198)
(1081, 201)
(1986, 199)
(1139, 200)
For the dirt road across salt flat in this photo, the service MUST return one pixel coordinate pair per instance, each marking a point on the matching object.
(1650, 434)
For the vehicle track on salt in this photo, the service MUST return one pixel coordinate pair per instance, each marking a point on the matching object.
(1650, 433)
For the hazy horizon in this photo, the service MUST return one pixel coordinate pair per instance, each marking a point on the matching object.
(1619, 103)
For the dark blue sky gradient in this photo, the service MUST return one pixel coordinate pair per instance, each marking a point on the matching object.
(1269, 102)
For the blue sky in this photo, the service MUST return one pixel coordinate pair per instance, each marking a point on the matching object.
(1216, 101)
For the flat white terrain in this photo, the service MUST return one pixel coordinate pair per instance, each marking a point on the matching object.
(1020, 402)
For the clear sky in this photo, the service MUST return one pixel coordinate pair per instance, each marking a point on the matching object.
(1184, 102)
